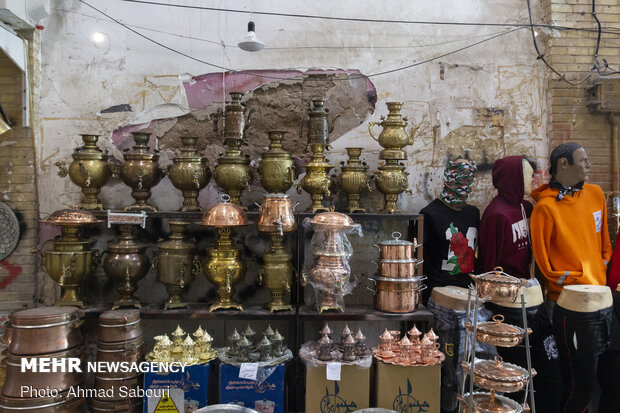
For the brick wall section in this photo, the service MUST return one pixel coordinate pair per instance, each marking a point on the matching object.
(572, 52)
(17, 178)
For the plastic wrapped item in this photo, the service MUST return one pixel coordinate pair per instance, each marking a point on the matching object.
(329, 272)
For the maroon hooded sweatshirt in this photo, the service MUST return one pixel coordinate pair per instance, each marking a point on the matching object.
(504, 239)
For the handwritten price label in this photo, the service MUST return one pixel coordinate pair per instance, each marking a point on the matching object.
(248, 371)
(333, 371)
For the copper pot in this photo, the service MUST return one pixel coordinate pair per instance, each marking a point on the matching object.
(497, 286)
(130, 351)
(276, 215)
(119, 326)
(489, 403)
(132, 405)
(58, 404)
(496, 333)
(111, 386)
(397, 295)
(398, 268)
(498, 375)
(396, 248)
(45, 330)
(60, 381)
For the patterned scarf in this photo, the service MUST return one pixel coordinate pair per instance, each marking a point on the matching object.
(564, 189)
(458, 179)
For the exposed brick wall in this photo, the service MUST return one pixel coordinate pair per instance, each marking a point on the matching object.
(571, 52)
(18, 272)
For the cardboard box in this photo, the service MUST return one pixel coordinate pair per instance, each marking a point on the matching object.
(351, 393)
(264, 396)
(194, 383)
(411, 389)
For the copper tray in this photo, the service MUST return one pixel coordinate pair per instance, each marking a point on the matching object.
(9, 231)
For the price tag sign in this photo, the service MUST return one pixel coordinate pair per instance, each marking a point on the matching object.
(248, 371)
(333, 371)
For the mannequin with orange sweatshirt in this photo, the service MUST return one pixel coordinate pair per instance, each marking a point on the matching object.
(571, 245)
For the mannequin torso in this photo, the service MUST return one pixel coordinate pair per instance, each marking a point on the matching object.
(585, 298)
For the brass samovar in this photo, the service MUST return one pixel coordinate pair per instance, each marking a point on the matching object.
(353, 179)
(223, 266)
(89, 170)
(141, 172)
(189, 173)
(177, 264)
(276, 167)
(126, 263)
(391, 178)
(232, 172)
(277, 219)
(72, 259)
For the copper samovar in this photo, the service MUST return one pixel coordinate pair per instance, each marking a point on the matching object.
(125, 264)
(353, 179)
(89, 170)
(276, 167)
(277, 219)
(141, 172)
(189, 173)
(72, 259)
(223, 266)
(232, 172)
(177, 264)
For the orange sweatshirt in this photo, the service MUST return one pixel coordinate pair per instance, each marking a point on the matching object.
(570, 238)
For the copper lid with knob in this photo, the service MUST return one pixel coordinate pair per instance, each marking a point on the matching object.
(225, 214)
(332, 220)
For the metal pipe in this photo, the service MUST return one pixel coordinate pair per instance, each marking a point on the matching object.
(614, 119)
(530, 384)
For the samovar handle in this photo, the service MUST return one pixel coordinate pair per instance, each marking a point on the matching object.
(154, 263)
(259, 278)
(96, 259)
(260, 208)
(286, 285)
(62, 168)
(291, 174)
(196, 265)
(330, 126)
(248, 120)
(370, 125)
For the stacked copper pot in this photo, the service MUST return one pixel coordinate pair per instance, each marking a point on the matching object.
(38, 333)
(120, 340)
(397, 287)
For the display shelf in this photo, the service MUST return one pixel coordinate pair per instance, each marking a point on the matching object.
(187, 216)
(199, 311)
(361, 312)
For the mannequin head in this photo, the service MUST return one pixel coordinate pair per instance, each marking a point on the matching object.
(569, 164)
(528, 174)
(458, 179)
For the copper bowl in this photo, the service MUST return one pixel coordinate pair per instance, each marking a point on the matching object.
(397, 295)
(59, 404)
(497, 286)
(119, 326)
(496, 333)
(45, 330)
(498, 375)
(131, 351)
(276, 215)
(490, 403)
(224, 215)
(398, 268)
(396, 248)
(72, 216)
(132, 405)
(60, 381)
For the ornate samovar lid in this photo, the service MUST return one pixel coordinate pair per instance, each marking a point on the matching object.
(332, 219)
(71, 216)
(225, 214)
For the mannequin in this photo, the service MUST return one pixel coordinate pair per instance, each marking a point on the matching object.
(451, 230)
(571, 245)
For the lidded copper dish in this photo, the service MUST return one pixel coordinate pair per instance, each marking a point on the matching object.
(491, 403)
(498, 286)
(332, 220)
(225, 214)
(396, 248)
(119, 326)
(498, 333)
(498, 375)
(72, 216)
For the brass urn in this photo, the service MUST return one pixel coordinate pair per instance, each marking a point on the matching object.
(393, 137)
(89, 170)
(276, 167)
(316, 181)
(318, 127)
(223, 266)
(141, 172)
(353, 179)
(277, 218)
(189, 173)
(126, 263)
(177, 264)
(391, 180)
(72, 258)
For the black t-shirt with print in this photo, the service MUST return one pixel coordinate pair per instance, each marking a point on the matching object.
(450, 239)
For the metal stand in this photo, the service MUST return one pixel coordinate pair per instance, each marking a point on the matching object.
(469, 354)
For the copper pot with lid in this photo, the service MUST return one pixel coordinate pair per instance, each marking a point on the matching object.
(397, 295)
(225, 214)
(498, 375)
(489, 403)
(396, 248)
(498, 333)
(49, 404)
(497, 286)
(44, 330)
(398, 268)
(131, 351)
(119, 326)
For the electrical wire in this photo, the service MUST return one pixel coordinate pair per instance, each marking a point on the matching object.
(301, 78)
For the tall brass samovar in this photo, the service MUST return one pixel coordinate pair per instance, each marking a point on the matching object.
(177, 264)
(141, 172)
(276, 167)
(72, 258)
(277, 218)
(223, 266)
(232, 172)
(126, 263)
(189, 173)
(353, 179)
(89, 170)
